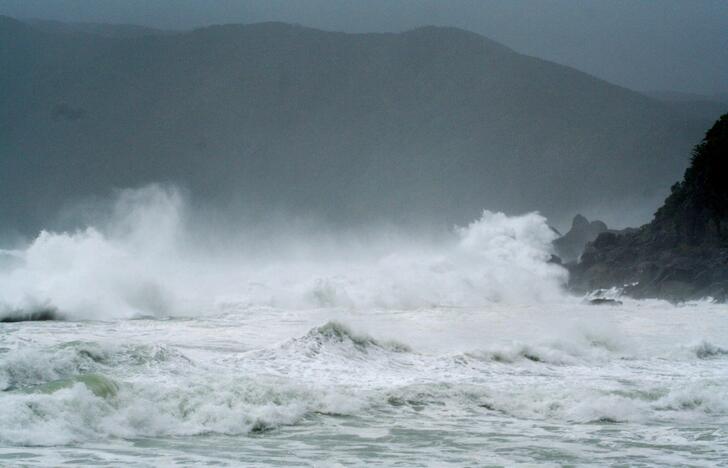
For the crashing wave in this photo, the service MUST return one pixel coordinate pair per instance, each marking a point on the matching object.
(98, 384)
(707, 350)
(337, 334)
(334, 342)
(586, 348)
(93, 407)
(522, 352)
(33, 314)
(22, 368)
(147, 262)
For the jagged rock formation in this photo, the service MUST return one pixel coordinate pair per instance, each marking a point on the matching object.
(570, 246)
(683, 253)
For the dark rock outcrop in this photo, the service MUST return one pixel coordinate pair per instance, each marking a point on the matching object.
(570, 246)
(683, 253)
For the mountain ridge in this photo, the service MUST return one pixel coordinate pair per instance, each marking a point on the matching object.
(430, 123)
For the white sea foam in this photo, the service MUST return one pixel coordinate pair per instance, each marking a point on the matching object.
(58, 393)
(465, 347)
(142, 262)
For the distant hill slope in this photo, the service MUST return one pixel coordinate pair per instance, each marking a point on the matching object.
(431, 123)
(683, 253)
(695, 105)
(100, 29)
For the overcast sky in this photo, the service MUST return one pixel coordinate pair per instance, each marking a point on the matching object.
(663, 45)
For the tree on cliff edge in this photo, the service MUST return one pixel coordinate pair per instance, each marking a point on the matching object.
(683, 253)
(697, 209)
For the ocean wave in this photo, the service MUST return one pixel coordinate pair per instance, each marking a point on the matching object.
(24, 367)
(93, 407)
(581, 347)
(706, 397)
(98, 384)
(707, 350)
(30, 314)
(578, 404)
(145, 261)
(339, 336)
(80, 392)
(522, 352)
(333, 349)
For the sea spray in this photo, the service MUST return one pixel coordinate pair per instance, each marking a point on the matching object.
(142, 261)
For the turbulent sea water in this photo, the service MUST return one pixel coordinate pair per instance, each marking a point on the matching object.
(459, 352)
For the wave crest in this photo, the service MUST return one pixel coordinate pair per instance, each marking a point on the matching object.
(335, 337)
(148, 260)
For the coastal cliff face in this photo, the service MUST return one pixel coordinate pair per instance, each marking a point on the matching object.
(683, 253)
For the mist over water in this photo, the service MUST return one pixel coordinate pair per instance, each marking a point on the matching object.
(335, 246)
(146, 260)
(272, 343)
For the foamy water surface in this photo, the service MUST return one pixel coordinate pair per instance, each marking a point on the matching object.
(465, 351)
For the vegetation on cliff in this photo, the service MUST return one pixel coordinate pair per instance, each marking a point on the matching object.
(697, 209)
(683, 253)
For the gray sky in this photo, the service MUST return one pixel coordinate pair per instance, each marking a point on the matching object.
(663, 45)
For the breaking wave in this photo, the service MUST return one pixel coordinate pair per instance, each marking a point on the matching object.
(339, 337)
(76, 392)
(27, 367)
(467, 332)
(147, 261)
(94, 407)
(707, 350)
(30, 314)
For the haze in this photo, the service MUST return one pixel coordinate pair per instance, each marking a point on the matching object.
(352, 112)
(671, 45)
(363, 233)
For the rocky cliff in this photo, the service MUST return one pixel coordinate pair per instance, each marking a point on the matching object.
(570, 246)
(683, 253)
